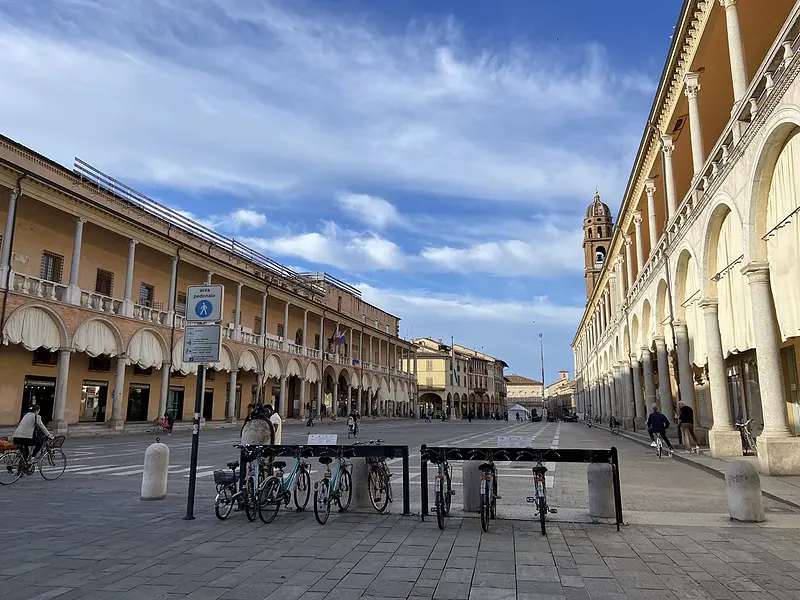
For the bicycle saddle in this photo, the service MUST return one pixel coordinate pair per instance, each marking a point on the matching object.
(278, 464)
(233, 465)
(325, 460)
(540, 469)
(486, 467)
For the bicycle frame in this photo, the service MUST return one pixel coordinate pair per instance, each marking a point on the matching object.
(488, 475)
(333, 476)
(539, 486)
(286, 482)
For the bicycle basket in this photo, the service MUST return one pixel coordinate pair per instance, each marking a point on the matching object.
(224, 477)
(6, 446)
(58, 441)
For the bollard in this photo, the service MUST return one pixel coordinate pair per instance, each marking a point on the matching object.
(744, 492)
(601, 491)
(256, 433)
(359, 472)
(154, 476)
(471, 484)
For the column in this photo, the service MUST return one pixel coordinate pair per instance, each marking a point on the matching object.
(60, 407)
(652, 225)
(664, 383)
(232, 395)
(361, 399)
(368, 412)
(612, 292)
(335, 403)
(394, 360)
(685, 375)
(628, 263)
(209, 275)
(350, 347)
(286, 327)
(637, 223)
(73, 291)
(305, 331)
(380, 353)
(166, 371)
(173, 289)
(649, 381)
(127, 302)
(318, 410)
(237, 316)
(629, 400)
(667, 147)
(119, 391)
(692, 90)
(303, 397)
(735, 50)
(640, 409)
(613, 389)
(723, 440)
(264, 297)
(321, 334)
(361, 352)
(282, 400)
(609, 313)
(5, 252)
(349, 396)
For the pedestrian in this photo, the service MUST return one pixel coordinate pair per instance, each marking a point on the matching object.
(686, 416)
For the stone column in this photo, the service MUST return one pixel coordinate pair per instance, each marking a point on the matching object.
(237, 315)
(778, 453)
(127, 302)
(723, 440)
(286, 327)
(321, 334)
(232, 395)
(305, 331)
(368, 412)
(380, 352)
(302, 396)
(117, 419)
(685, 375)
(5, 251)
(361, 399)
(652, 224)
(370, 350)
(166, 370)
(263, 332)
(613, 381)
(628, 263)
(613, 292)
(667, 147)
(60, 406)
(649, 381)
(209, 275)
(173, 288)
(735, 50)
(318, 411)
(630, 397)
(283, 400)
(664, 383)
(640, 410)
(692, 90)
(335, 403)
(73, 291)
(350, 347)
(637, 223)
(609, 313)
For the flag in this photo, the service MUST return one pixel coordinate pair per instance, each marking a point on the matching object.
(338, 338)
(356, 364)
(453, 364)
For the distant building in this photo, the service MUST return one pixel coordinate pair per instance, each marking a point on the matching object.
(564, 386)
(522, 387)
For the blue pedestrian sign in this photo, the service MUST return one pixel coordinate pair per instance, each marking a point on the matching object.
(203, 309)
(204, 303)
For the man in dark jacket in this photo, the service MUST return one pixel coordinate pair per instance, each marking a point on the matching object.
(686, 416)
(657, 425)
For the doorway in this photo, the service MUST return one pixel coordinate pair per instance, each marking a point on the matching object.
(94, 395)
(208, 404)
(175, 402)
(41, 391)
(138, 401)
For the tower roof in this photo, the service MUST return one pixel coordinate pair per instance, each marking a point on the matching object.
(597, 208)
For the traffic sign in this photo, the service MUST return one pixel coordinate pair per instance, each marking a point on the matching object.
(513, 441)
(201, 343)
(322, 439)
(204, 303)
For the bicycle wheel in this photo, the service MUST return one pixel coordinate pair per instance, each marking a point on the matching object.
(250, 501)
(322, 504)
(52, 464)
(302, 489)
(543, 513)
(345, 495)
(485, 502)
(659, 448)
(377, 495)
(440, 514)
(223, 503)
(269, 500)
(448, 493)
(10, 464)
(493, 505)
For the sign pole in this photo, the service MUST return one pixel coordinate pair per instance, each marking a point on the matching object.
(198, 403)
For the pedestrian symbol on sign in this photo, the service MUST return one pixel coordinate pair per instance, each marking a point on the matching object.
(203, 308)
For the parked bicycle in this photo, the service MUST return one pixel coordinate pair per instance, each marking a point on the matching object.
(333, 486)
(51, 462)
(748, 441)
(379, 479)
(159, 426)
(442, 488)
(228, 492)
(488, 492)
(257, 475)
(539, 499)
(279, 490)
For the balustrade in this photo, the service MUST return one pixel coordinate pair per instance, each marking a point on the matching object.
(40, 288)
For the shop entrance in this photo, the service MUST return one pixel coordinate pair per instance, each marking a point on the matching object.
(208, 404)
(94, 396)
(175, 402)
(41, 391)
(138, 401)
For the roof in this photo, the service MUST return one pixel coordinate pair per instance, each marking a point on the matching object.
(521, 380)
(518, 407)
(598, 208)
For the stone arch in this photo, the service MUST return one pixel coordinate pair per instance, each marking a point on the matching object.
(312, 373)
(344, 372)
(662, 310)
(635, 334)
(626, 343)
(718, 211)
(225, 362)
(36, 326)
(248, 361)
(682, 269)
(98, 335)
(293, 368)
(647, 328)
(329, 371)
(140, 348)
(273, 367)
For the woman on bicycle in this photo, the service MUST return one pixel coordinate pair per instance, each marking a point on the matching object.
(27, 432)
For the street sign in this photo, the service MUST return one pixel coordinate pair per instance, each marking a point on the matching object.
(204, 303)
(513, 441)
(324, 439)
(201, 343)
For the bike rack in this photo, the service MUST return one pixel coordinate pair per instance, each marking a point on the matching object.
(365, 451)
(570, 455)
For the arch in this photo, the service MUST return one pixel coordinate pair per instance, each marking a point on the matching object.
(329, 371)
(98, 335)
(718, 210)
(35, 326)
(626, 343)
(354, 379)
(366, 380)
(682, 267)
(225, 362)
(312, 373)
(147, 348)
(248, 361)
(662, 311)
(647, 329)
(177, 360)
(635, 334)
(273, 367)
(293, 368)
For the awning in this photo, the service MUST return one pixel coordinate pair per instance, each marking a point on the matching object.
(225, 363)
(354, 379)
(144, 350)
(95, 338)
(33, 328)
(272, 368)
(293, 369)
(312, 373)
(248, 361)
(177, 360)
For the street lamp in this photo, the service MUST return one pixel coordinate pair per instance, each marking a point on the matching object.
(541, 351)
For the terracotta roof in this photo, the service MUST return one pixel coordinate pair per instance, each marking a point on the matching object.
(520, 380)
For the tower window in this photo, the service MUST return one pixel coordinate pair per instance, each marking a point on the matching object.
(590, 232)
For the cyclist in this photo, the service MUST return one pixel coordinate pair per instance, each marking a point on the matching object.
(657, 425)
(29, 433)
(613, 424)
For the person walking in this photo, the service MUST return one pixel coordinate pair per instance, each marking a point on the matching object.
(686, 417)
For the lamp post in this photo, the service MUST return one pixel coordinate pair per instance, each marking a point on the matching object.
(541, 353)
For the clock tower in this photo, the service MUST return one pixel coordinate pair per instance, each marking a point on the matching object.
(597, 228)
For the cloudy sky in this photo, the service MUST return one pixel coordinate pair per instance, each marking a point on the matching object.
(437, 154)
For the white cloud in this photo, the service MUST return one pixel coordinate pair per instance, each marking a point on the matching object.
(371, 210)
(250, 96)
(243, 218)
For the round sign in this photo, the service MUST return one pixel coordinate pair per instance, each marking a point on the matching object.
(203, 308)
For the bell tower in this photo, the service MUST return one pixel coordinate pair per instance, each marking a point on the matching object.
(597, 228)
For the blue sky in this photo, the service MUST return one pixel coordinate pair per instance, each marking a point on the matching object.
(437, 154)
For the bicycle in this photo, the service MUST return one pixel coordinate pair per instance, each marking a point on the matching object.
(276, 488)
(336, 486)
(159, 426)
(749, 445)
(379, 481)
(539, 499)
(659, 445)
(51, 462)
(352, 429)
(442, 489)
(488, 493)
(228, 491)
(255, 480)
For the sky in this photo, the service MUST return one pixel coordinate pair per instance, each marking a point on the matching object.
(437, 154)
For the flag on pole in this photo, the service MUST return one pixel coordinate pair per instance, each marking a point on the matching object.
(338, 338)
(356, 364)
(455, 381)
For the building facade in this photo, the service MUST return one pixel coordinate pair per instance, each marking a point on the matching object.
(697, 298)
(523, 387)
(93, 277)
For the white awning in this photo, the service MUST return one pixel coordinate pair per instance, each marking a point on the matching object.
(248, 361)
(95, 338)
(177, 360)
(312, 373)
(144, 349)
(272, 367)
(33, 328)
(354, 379)
(293, 369)
(224, 363)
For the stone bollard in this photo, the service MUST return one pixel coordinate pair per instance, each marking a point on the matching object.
(471, 485)
(257, 432)
(601, 491)
(154, 476)
(359, 472)
(744, 492)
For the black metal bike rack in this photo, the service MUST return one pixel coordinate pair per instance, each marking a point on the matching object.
(313, 451)
(570, 455)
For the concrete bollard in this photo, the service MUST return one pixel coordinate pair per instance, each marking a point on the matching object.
(156, 470)
(359, 472)
(744, 492)
(601, 491)
(256, 433)
(471, 484)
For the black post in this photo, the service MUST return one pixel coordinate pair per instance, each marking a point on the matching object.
(423, 482)
(617, 487)
(242, 477)
(198, 405)
(406, 484)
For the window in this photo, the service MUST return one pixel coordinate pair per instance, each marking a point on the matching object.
(52, 267)
(316, 341)
(147, 294)
(376, 323)
(280, 330)
(298, 337)
(387, 328)
(429, 381)
(257, 325)
(104, 283)
(43, 356)
(100, 363)
(180, 304)
(429, 365)
(137, 370)
(211, 374)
